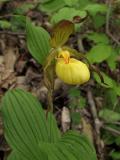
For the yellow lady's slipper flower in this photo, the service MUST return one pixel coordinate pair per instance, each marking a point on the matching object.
(71, 70)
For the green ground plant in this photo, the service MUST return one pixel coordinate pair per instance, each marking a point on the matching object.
(92, 21)
(30, 132)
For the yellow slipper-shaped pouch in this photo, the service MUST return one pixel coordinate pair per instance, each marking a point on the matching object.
(71, 70)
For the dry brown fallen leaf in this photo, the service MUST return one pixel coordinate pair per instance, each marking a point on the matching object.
(10, 57)
(7, 73)
(87, 128)
(65, 119)
(21, 83)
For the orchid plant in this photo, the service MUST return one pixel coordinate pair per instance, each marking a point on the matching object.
(61, 60)
(30, 133)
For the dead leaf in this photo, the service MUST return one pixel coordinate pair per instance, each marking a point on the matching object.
(65, 119)
(21, 83)
(10, 57)
(87, 128)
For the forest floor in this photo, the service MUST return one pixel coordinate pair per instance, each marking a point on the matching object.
(75, 107)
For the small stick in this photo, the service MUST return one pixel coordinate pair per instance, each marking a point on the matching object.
(12, 33)
(112, 130)
(97, 125)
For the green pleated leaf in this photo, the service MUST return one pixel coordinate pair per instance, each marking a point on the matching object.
(80, 145)
(53, 131)
(33, 137)
(37, 41)
(61, 33)
(16, 156)
(24, 123)
(72, 146)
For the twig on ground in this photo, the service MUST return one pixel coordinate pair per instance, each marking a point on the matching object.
(111, 130)
(116, 123)
(12, 33)
(97, 125)
(6, 16)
